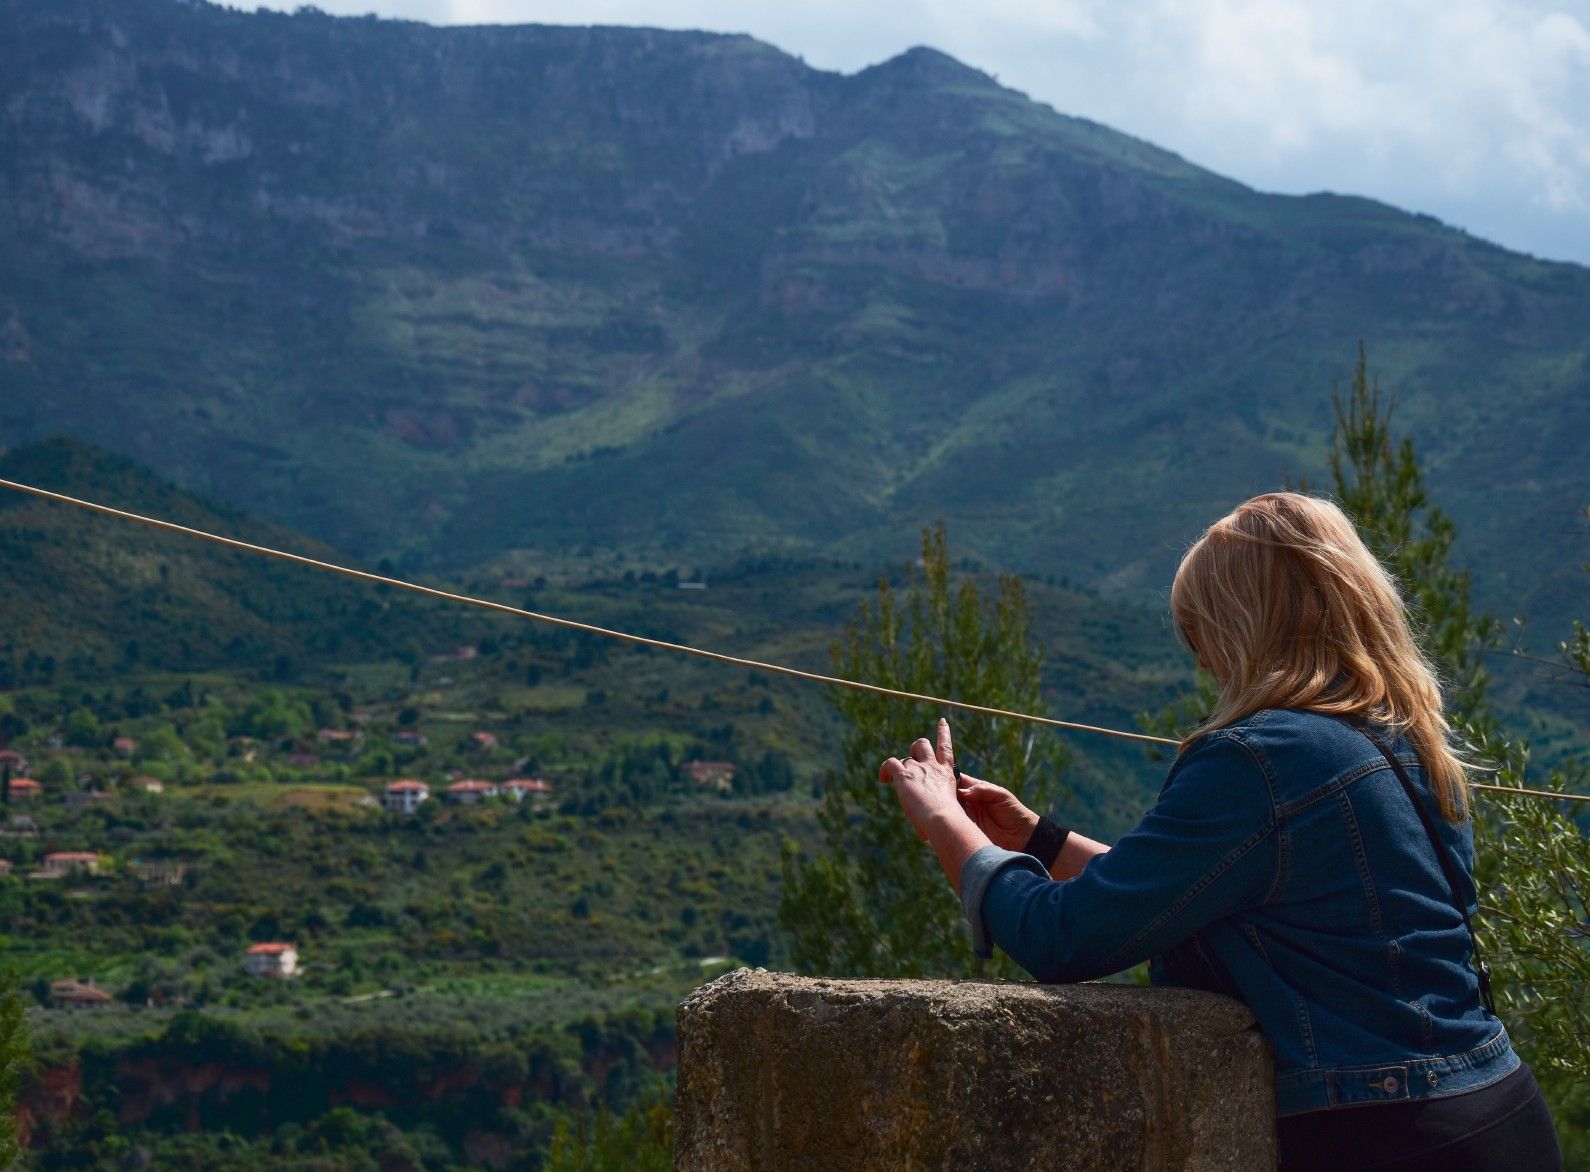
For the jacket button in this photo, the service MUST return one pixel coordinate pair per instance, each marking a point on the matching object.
(1391, 1084)
(1431, 1077)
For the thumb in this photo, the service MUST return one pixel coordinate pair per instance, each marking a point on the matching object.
(979, 790)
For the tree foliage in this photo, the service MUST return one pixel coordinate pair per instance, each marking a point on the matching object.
(639, 1140)
(1379, 483)
(872, 901)
(1532, 859)
(14, 1052)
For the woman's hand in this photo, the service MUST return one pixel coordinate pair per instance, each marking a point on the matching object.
(997, 812)
(925, 781)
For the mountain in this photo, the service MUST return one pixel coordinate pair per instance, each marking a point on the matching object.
(533, 294)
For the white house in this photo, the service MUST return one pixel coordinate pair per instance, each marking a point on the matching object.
(519, 788)
(718, 775)
(404, 797)
(273, 959)
(59, 863)
(470, 792)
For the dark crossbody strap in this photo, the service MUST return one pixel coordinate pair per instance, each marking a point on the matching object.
(1481, 969)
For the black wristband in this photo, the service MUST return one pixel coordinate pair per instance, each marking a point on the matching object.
(1047, 839)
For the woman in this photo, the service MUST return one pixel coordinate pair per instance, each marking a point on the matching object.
(1285, 862)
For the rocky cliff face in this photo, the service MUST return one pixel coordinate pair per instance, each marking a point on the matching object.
(455, 292)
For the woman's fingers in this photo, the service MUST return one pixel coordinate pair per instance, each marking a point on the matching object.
(895, 769)
(945, 747)
(984, 793)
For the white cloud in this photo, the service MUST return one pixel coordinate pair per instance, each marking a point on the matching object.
(1477, 111)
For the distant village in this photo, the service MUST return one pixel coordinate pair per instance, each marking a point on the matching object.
(270, 959)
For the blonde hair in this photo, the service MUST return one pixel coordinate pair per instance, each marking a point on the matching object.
(1284, 603)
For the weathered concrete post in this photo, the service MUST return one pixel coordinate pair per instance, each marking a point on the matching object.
(785, 1072)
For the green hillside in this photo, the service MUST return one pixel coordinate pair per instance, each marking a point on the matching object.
(473, 293)
(96, 603)
(471, 975)
(90, 599)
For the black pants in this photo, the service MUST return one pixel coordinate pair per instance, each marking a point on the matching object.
(1504, 1126)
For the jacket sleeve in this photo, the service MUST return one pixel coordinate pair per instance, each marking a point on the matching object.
(1208, 848)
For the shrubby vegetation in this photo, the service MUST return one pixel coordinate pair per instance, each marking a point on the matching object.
(274, 1088)
(14, 1057)
(872, 902)
(485, 972)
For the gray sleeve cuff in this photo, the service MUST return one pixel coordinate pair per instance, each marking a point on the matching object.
(976, 875)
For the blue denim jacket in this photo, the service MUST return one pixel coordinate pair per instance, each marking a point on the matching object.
(1284, 865)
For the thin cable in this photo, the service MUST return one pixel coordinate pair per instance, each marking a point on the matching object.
(641, 640)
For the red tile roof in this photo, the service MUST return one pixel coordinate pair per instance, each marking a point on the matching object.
(532, 785)
(470, 786)
(26, 783)
(72, 856)
(405, 786)
(72, 990)
(273, 948)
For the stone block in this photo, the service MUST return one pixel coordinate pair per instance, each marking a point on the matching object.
(785, 1072)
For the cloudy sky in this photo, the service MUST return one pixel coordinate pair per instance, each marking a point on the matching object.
(1475, 111)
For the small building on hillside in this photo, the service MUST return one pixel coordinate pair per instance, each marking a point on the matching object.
(75, 994)
(124, 746)
(25, 789)
(5, 868)
(483, 740)
(20, 826)
(404, 797)
(159, 872)
(14, 760)
(58, 864)
(272, 959)
(718, 775)
(146, 784)
(538, 792)
(407, 736)
(468, 792)
(339, 737)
